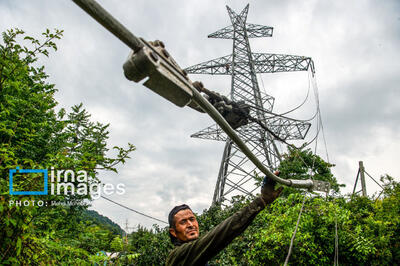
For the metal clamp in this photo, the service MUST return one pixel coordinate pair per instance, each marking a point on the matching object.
(165, 77)
(322, 186)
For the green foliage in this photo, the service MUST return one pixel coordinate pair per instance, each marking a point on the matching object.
(153, 245)
(368, 229)
(102, 221)
(368, 232)
(116, 244)
(33, 135)
(304, 164)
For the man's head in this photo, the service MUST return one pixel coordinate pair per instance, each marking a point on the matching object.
(183, 225)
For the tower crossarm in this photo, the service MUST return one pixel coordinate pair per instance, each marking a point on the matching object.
(256, 31)
(287, 128)
(263, 63)
(218, 66)
(284, 128)
(253, 31)
(224, 33)
(271, 63)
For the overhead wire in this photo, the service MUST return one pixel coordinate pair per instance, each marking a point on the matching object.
(319, 127)
(311, 81)
(293, 109)
(281, 115)
(304, 101)
(135, 211)
(316, 91)
(294, 233)
(336, 258)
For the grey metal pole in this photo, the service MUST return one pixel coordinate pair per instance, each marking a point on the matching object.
(101, 15)
(362, 176)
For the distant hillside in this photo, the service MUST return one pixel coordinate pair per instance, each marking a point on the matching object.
(103, 221)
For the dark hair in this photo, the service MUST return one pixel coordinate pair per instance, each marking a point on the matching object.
(171, 220)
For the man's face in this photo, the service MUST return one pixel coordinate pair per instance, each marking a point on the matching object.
(186, 226)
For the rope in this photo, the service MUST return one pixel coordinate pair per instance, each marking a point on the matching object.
(123, 206)
(294, 233)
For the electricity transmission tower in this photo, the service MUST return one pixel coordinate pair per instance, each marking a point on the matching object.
(127, 228)
(236, 172)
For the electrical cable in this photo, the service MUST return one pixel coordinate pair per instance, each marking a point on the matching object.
(316, 91)
(138, 212)
(304, 101)
(336, 258)
(317, 113)
(291, 110)
(294, 233)
(282, 115)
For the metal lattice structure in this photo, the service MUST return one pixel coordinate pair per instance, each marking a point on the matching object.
(236, 172)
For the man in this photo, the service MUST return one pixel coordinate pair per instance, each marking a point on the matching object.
(184, 229)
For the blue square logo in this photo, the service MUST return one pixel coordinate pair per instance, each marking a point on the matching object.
(28, 171)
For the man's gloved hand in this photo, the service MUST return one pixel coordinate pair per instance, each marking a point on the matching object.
(268, 192)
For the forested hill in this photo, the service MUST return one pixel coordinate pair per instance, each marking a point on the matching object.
(103, 221)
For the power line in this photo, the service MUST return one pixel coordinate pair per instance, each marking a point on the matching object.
(316, 92)
(294, 232)
(138, 212)
(336, 258)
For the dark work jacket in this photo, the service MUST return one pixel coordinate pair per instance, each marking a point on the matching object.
(201, 250)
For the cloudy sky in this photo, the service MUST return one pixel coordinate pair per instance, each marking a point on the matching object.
(354, 45)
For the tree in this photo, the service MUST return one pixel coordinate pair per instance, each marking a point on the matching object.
(368, 231)
(304, 164)
(33, 135)
(152, 245)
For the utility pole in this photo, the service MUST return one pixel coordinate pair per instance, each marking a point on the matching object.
(362, 176)
(236, 173)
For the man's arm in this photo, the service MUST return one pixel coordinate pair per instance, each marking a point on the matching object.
(198, 252)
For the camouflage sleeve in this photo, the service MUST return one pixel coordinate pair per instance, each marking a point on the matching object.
(200, 251)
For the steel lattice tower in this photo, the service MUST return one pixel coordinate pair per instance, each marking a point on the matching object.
(235, 170)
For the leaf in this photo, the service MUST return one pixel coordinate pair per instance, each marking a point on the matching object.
(12, 221)
(18, 246)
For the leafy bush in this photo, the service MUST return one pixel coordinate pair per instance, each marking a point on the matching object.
(33, 135)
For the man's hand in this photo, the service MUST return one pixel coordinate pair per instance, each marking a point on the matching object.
(268, 192)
